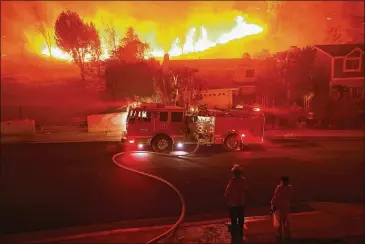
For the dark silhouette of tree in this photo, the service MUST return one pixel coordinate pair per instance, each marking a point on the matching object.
(127, 79)
(95, 47)
(178, 85)
(75, 37)
(295, 70)
(269, 84)
(131, 48)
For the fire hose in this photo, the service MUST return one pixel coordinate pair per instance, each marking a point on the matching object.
(183, 206)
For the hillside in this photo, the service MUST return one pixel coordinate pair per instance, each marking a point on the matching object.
(47, 90)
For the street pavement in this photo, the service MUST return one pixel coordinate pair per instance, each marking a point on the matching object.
(49, 186)
(331, 223)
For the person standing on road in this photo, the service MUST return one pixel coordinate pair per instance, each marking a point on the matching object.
(280, 207)
(235, 197)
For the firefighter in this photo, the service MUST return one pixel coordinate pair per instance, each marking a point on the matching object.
(280, 207)
(235, 197)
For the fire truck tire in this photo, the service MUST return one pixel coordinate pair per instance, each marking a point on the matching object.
(232, 143)
(161, 144)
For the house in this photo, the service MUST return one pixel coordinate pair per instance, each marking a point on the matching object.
(344, 65)
(224, 79)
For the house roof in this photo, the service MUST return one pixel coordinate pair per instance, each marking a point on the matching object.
(218, 73)
(220, 64)
(339, 50)
(218, 82)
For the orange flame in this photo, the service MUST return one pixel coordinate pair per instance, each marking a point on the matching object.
(202, 43)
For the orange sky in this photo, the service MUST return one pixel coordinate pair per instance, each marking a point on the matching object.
(161, 22)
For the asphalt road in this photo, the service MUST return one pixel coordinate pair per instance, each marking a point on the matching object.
(47, 186)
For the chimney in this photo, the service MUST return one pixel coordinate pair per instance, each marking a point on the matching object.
(166, 57)
(165, 63)
(246, 56)
(293, 49)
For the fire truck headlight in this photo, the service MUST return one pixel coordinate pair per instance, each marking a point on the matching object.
(179, 145)
(256, 109)
(243, 135)
(140, 146)
(131, 141)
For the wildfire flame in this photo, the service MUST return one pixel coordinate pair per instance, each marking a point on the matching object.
(192, 43)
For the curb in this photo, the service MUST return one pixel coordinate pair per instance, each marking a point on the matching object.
(149, 228)
(58, 141)
(294, 138)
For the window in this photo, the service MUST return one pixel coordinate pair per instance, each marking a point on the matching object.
(144, 116)
(176, 116)
(352, 64)
(250, 73)
(163, 116)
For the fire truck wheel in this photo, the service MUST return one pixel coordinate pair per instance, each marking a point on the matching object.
(162, 144)
(232, 143)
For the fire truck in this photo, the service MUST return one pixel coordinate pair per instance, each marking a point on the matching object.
(165, 128)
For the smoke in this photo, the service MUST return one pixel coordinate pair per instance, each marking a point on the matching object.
(156, 22)
(159, 23)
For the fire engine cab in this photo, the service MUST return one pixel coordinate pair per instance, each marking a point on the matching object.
(166, 127)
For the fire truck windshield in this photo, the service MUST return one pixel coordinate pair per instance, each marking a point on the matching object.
(144, 116)
(131, 116)
(139, 115)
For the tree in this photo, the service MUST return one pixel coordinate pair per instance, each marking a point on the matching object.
(129, 73)
(42, 28)
(131, 48)
(111, 38)
(75, 37)
(95, 47)
(295, 70)
(127, 79)
(269, 84)
(47, 35)
(179, 85)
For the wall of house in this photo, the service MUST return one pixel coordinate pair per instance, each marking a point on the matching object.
(324, 63)
(113, 122)
(239, 70)
(218, 98)
(246, 73)
(339, 71)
